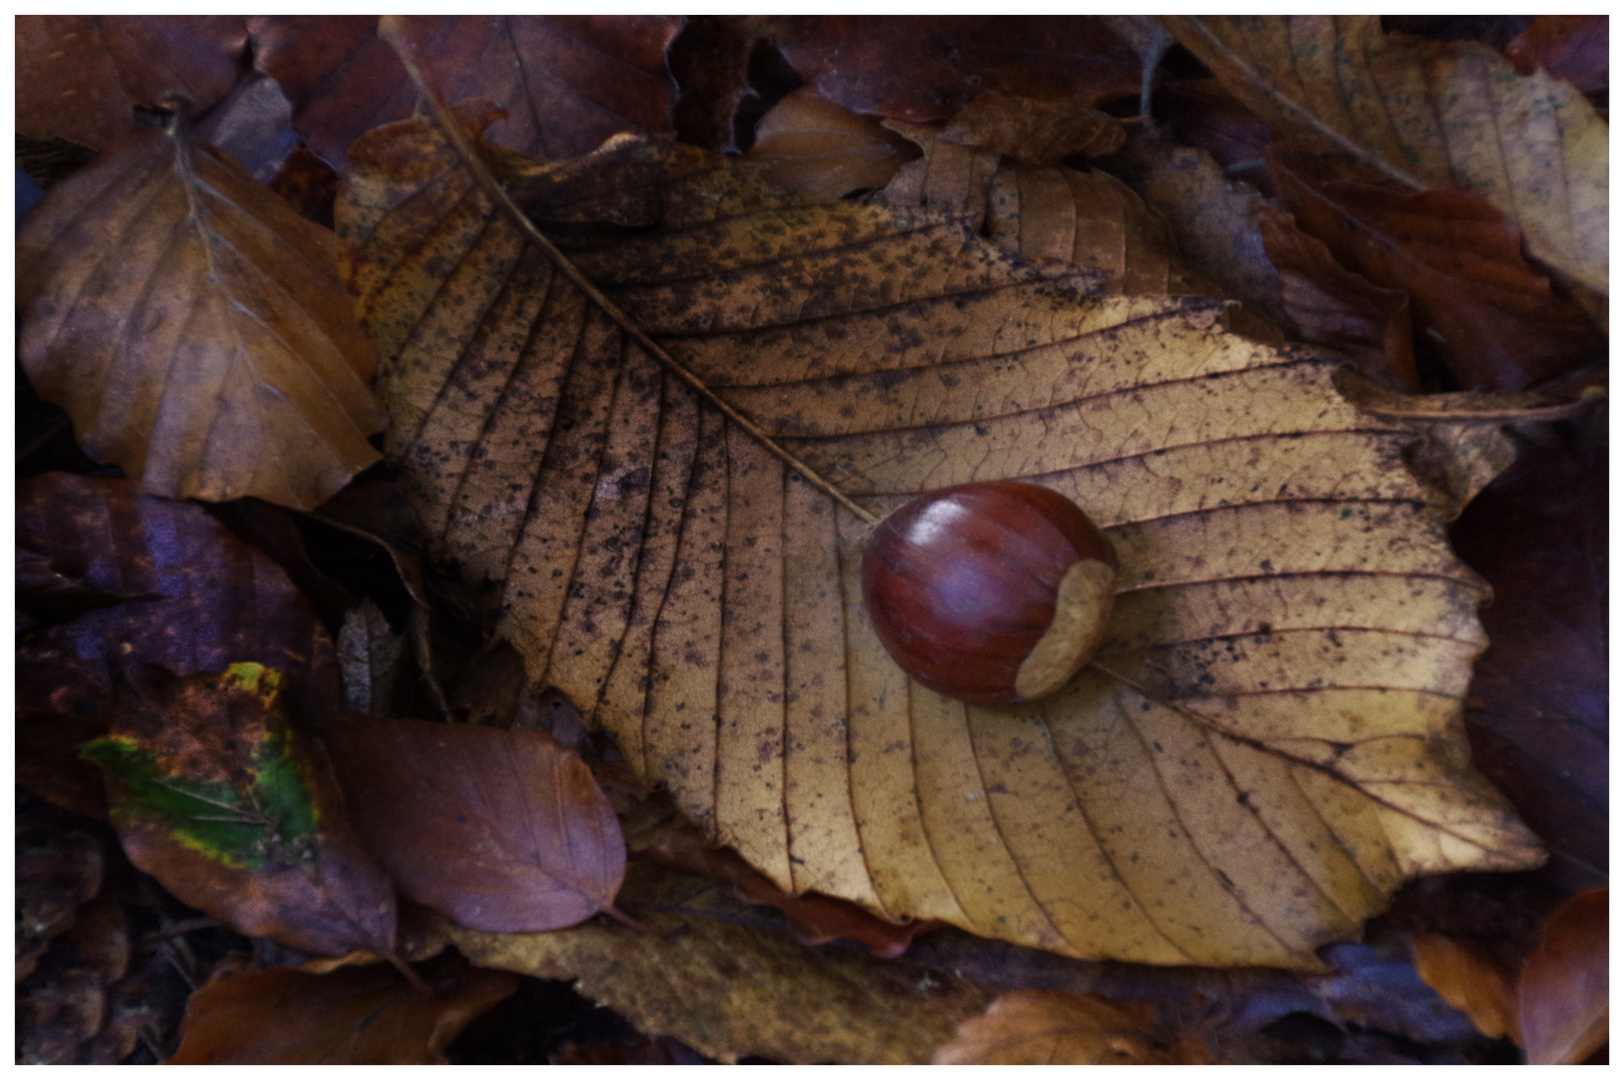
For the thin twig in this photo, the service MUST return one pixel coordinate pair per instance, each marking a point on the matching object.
(392, 28)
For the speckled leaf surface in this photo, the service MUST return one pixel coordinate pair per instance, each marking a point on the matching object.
(1270, 739)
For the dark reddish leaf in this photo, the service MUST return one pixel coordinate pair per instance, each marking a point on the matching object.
(352, 1016)
(502, 831)
(925, 67)
(308, 184)
(1205, 115)
(1495, 321)
(568, 82)
(80, 77)
(813, 919)
(1469, 979)
(1571, 47)
(198, 599)
(1538, 701)
(1337, 308)
(58, 870)
(233, 812)
(1562, 995)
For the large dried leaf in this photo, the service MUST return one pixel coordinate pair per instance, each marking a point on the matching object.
(809, 144)
(1429, 115)
(730, 984)
(1495, 321)
(1562, 994)
(235, 813)
(81, 77)
(353, 1016)
(568, 81)
(1270, 739)
(500, 830)
(191, 324)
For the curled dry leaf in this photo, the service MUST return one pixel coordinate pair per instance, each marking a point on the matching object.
(1335, 307)
(1495, 321)
(1034, 132)
(238, 815)
(1571, 47)
(808, 144)
(730, 984)
(1270, 739)
(1471, 981)
(1562, 994)
(191, 324)
(1427, 115)
(568, 81)
(81, 77)
(194, 599)
(1047, 1027)
(352, 1016)
(500, 830)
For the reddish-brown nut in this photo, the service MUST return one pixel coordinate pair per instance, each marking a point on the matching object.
(991, 593)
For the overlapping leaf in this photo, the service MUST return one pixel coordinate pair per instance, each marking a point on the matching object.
(1047, 1027)
(1428, 115)
(189, 321)
(1270, 739)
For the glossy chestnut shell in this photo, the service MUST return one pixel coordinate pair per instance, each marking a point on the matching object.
(992, 593)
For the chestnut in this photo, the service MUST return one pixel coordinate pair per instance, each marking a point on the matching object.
(992, 593)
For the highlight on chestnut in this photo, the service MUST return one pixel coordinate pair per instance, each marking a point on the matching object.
(992, 593)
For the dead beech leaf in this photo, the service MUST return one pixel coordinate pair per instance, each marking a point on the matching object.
(1494, 320)
(237, 814)
(81, 77)
(1215, 219)
(809, 144)
(1470, 981)
(1428, 115)
(1335, 307)
(568, 81)
(352, 1016)
(1048, 1027)
(500, 830)
(1270, 740)
(191, 324)
(371, 658)
(1034, 132)
(1562, 994)
(195, 599)
(730, 984)
(1571, 47)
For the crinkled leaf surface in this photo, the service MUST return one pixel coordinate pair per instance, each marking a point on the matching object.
(500, 830)
(191, 324)
(1270, 739)
(1429, 115)
(237, 814)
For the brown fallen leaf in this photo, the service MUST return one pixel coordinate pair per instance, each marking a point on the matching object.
(1047, 1027)
(1571, 47)
(661, 1051)
(499, 830)
(1203, 115)
(924, 67)
(730, 984)
(1034, 132)
(1540, 720)
(58, 871)
(194, 599)
(1495, 321)
(1335, 307)
(1215, 219)
(813, 919)
(1471, 981)
(568, 81)
(191, 324)
(81, 77)
(1562, 994)
(236, 814)
(1427, 115)
(372, 659)
(352, 1016)
(807, 143)
(1237, 780)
